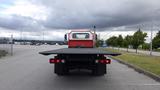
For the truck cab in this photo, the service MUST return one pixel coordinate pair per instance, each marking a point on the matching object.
(81, 39)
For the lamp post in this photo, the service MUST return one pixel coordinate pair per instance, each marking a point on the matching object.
(21, 36)
(151, 39)
(156, 12)
(11, 42)
(94, 29)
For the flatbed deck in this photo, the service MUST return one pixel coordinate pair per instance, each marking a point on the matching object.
(79, 51)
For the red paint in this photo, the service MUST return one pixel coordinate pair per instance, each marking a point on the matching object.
(105, 61)
(52, 60)
(83, 43)
(80, 43)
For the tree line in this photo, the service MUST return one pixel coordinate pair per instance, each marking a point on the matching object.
(135, 41)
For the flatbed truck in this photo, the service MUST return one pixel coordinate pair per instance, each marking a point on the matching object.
(80, 54)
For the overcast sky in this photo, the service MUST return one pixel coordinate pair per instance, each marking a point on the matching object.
(53, 18)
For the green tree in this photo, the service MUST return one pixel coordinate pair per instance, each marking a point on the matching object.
(120, 41)
(112, 41)
(156, 41)
(127, 41)
(138, 39)
(99, 43)
(146, 46)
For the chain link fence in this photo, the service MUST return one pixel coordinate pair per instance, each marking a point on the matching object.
(5, 45)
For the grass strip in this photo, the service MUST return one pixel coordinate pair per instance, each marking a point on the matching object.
(146, 62)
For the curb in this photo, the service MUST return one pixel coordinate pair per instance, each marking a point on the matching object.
(140, 70)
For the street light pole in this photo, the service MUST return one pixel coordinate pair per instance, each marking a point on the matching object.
(21, 37)
(152, 27)
(151, 40)
(94, 28)
(43, 38)
(11, 42)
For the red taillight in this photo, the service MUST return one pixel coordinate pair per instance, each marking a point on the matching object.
(52, 60)
(58, 60)
(101, 61)
(106, 61)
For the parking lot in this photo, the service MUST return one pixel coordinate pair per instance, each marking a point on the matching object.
(28, 70)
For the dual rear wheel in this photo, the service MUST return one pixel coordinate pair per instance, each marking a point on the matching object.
(97, 70)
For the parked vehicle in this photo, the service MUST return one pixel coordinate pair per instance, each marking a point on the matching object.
(80, 54)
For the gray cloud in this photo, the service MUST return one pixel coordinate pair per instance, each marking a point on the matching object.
(16, 22)
(102, 13)
(72, 14)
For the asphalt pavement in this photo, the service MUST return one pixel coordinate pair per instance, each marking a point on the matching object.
(28, 70)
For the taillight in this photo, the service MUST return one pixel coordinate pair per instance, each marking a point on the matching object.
(105, 61)
(53, 60)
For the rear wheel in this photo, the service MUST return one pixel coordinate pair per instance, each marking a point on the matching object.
(61, 69)
(99, 69)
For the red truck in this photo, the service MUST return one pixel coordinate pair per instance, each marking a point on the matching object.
(80, 54)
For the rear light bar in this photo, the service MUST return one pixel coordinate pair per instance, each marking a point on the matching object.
(53, 60)
(104, 61)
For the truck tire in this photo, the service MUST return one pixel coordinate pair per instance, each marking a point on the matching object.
(61, 69)
(99, 69)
